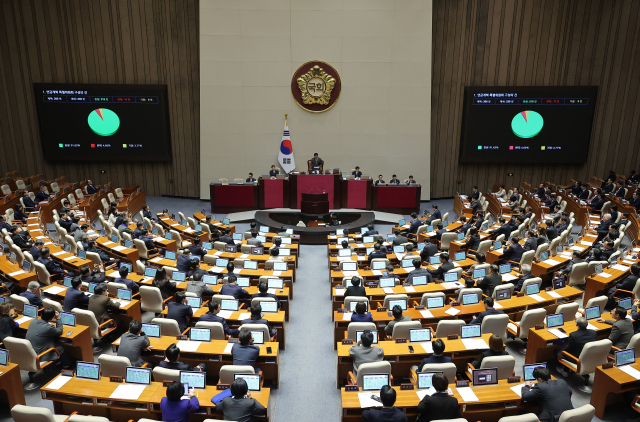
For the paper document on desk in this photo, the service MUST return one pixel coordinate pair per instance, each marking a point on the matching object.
(582, 242)
(350, 273)
(15, 273)
(225, 314)
(537, 297)
(228, 347)
(218, 253)
(551, 262)
(23, 320)
(216, 269)
(367, 401)
(410, 289)
(406, 226)
(500, 251)
(146, 280)
(388, 290)
(474, 343)
(605, 275)
(339, 292)
(508, 277)
(158, 259)
(69, 258)
(347, 316)
(189, 230)
(41, 237)
(577, 248)
(591, 327)
(128, 392)
(427, 392)
(426, 345)
(554, 294)
(57, 383)
(277, 273)
(125, 303)
(497, 305)
(188, 345)
(54, 290)
(244, 255)
(271, 291)
(360, 245)
(467, 394)
(113, 273)
(629, 370)
(628, 262)
(243, 316)
(456, 265)
(237, 270)
(362, 258)
(400, 256)
(377, 272)
(333, 237)
(58, 253)
(557, 333)
(343, 258)
(426, 313)
(109, 243)
(452, 311)
(566, 254)
(620, 267)
(517, 389)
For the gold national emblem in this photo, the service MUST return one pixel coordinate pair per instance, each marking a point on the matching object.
(316, 86)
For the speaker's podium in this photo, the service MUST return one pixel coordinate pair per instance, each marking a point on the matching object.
(314, 203)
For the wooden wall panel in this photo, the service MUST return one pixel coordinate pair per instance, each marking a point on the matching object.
(101, 41)
(535, 42)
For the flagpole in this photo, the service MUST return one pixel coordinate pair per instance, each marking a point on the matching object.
(285, 118)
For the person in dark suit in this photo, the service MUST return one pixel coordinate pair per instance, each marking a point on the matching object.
(244, 352)
(394, 180)
(476, 206)
(584, 193)
(183, 261)
(530, 243)
(250, 179)
(415, 223)
(400, 238)
(133, 343)
(613, 210)
(577, 340)
(33, 294)
(273, 172)
(379, 181)
(19, 214)
(488, 310)
(445, 266)
(263, 291)
(526, 275)
(254, 241)
(620, 192)
(489, 283)
(40, 196)
(596, 203)
(553, 396)
(51, 266)
(552, 231)
(36, 248)
(377, 253)
(438, 406)
(74, 298)
(437, 357)
(388, 413)
(131, 285)
(138, 231)
(473, 241)
(513, 251)
(418, 272)
(622, 328)
(195, 248)
(624, 220)
(430, 248)
(575, 259)
(603, 227)
(4, 224)
(101, 305)
(43, 335)
(171, 356)
(357, 173)
(87, 276)
(370, 231)
(441, 230)
(465, 225)
(355, 289)
(361, 313)
(504, 228)
(608, 186)
(240, 406)
(316, 162)
(635, 200)
(226, 238)
(256, 318)
(634, 177)
(607, 251)
(106, 259)
(179, 310)
(410, 181)
(496, 348)
(540, 191)
(18, 240)
(231, 288)
(212, 316)
(475, 194)
(90, 189)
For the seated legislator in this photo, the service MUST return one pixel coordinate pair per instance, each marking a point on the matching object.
(370, 231)
(240, 407)
(397, 317)
(394, 180)
(496, 348)
(364, 352)
(635, 200)
(377, 253)
(361, 314)
(388, 413)
(250, 179)
(133, 342)
(254, 241)
(552, 396)
(53, 267)
(317, 163)
(410, 181)
(43, 335)
(171, 356)
(273, 173)
(20, 214)
(622, 328)
(357, 173)
(475, 194)
(488, 310)
(245, 352)
(438, 406)
(400, 238)
(226, 237)
(430, 248)
(415, 223)
(212, 316)
(476, 206)
(481, 259)
(437, 357)
(526, 275)
(445, 265)
(489, 283)
(173, 408)
(91, 189)
(256, 318)
(123, 272)
(379, 181)
(74, 298)
(577, 340)
(513, 251)
(231, 288)
(263, 291)
(418, 271)
(40, 196)
(179, 310)
(197, 286)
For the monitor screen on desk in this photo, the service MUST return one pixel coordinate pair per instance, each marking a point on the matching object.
(374, 382)
(210, 279)
(67, 281)
(88, 370)
(134, 375)
(470, 299)
(503, 294)
(598, 268)
(470, 331)
(386, 282)
(402, 222)
(207, 246)
(559, 283)
(178, 276)
(128, 244)
(252, 380)
(592, 312)
(625, 303)
(150, 272)
(226, 221)
(435, 302)
(417, 335)
(429, 229)
(349, 266)
(544, 256)
(195, 379)
(434, 260)
(230, 248)
(4, 357)
(340, 232)
(559, 249)
(67, 247)
(398, 249)
(451, 277)
(375, 336)
(275, 283)
(485, 376)
(285, 240)
(200, 334)
(124, 294)
(168, 236)
(421, 246)
(407, 263)
(482, 272)
(250, 265)
(378, 265)
(367, 239)
(257, 250)
(533, 289)
(269, 306)
(222, 262)
(243, 281)
(151, 330)
(460, 236)
(81, 254)
(30, 311)
(229, 304)
(527, 370)
(237, 236)
(420, 280)
(263, 239)
(460, 256)
(497, 245)
(127, 266)
(92, 287)
(258, 337)
(344, 252)
(68, 319)
(194, 302)
(425, 380)
(505, 268)
(398, 302)
(285, 252)
(555, 320)
(169, 255)
(625, 357)
(264, 229)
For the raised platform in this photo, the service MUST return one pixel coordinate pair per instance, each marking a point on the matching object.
(314, 233)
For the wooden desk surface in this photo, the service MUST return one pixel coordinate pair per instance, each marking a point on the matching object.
(214, 347)
(438, 313)
(62, 294)
(238, 315)
(609, 386)
(391, 348)
(11, 383)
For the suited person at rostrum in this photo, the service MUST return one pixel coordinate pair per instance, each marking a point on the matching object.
(553, 396)
(357, 173)
(622, 329)
(273, 172)
(250, 179)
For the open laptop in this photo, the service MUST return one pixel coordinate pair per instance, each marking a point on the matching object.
(425, 380)
(4, 357)
(367, 239)
(286, 240)
(168, 236)
(460, 256)
(128, 244)
(460, 236)
(67, 281)
(592, 313)
(230, 248)
(470, 331)
(485, 376)
(200, 334)
(544, 256)
(407, 263)
(257, 250)
(398, 249)
(210, 280)
(559, 283)
(344, 252)
(505, 268)
(625, 357)
(150, 272)
(258, 337)
(482, 272)
(555, 320)
(435, 302)
(252, 380)
(30, 311)
(451, 277)
(229, 305)
(243, 281)
(527, 370)
(250, 265)
(625, 303)
(503, 294)
(268, 306)
(195, 379)
(417, 335)
(139, 376)
(264, 229)
(88, 371)
(169, 255)
(349, 266)
(178, 276)
(124, 294)
(532, 289)
(275, 283)
(68, 319)
(237, 236)
(400, 302)
(151, 330)
(434, 260)
(497, 245)
(420, 280)
(194, 302)
(375, 336)
(470, 299)
(221, 262)
(386, 282)
(285, 252)
(374, 382)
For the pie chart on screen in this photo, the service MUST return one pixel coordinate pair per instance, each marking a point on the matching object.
(103, 121)
(527, 124)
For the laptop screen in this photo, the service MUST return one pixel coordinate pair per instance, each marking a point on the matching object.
(67, 247)
(527, 370)
(400, 302)
(375, 336)
(81, 254)
(88, 370)
(421, 246)
(178, 276)
(124, 294)
(150, 272)
(460, 236)
(349, 266)
(195, 379)
(207, 246)
(137, 375)
(229, 305)
(151, 330)
(487, 376)
(237, 236)
(407, 263)
(367, 239)
(435, 302)
(451, 276)
(352, 305)
(128, 244)
(555, 320)
(210, 279)
(127, 266)
(114, 239)
(598, 268)
(257, 250)
(230, 248)
(592, 313)
(402, 222)
(482, 272)
(470, 299)
(544, 256)
(289, 231)
(168, 235)
(625, 357)
(533, 289)
(285, 240)
(275, 283)
(398, 249)
(425, 380)
(503, 294)
(285, 252)
(559, 283)
(4, 357)
(258, 337)
(30, 311)
(504, 269)
(497, 245)
(67, 281)
(194, 302)
(340, 232)
(434, 260)
(264, 229)
(170, 255)
(419, 334)
(92, 287)
(253, 381)
(559, 249)
(374, 382)
(268, 306)
(387, 282)
(200, 334)
(344, 252)
(420, 280)
(470, 331)
(625, 303)
(460, 256)
(68, 319)
(250, 265)
(222, 262)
